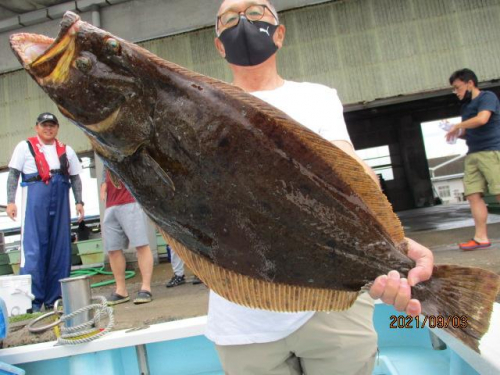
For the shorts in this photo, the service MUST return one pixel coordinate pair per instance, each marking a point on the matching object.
(482, 173)
(123, 225)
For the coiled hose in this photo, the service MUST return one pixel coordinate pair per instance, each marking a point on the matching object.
(99, 271)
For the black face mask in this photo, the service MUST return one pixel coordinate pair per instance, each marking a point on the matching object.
(249, 43)
(467, 98)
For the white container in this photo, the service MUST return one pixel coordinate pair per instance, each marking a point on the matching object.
(15, 290)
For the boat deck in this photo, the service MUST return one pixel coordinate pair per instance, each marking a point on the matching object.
(179, 348)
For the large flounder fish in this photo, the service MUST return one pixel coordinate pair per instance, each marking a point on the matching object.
(267, 213)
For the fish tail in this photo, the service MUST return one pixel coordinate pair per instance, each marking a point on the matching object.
(459, 300)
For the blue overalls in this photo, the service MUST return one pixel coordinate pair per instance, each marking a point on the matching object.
(46, 236)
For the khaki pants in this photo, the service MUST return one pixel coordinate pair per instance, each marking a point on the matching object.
(482, 173)
(335, 343)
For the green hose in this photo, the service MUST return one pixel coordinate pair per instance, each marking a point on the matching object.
(100, 271)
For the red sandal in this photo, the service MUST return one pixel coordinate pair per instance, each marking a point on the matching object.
(473, 245)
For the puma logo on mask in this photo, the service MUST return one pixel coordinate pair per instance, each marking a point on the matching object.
(262, 30)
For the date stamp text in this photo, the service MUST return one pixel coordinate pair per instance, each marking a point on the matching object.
(431, 321)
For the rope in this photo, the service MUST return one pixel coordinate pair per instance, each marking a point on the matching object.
(82, 333)
(87, 331)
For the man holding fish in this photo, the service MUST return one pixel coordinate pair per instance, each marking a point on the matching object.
(252, 341)
(271, 208)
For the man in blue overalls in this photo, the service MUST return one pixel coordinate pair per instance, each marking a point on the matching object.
(48, 169)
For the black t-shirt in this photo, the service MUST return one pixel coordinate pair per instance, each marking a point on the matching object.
(485, 137)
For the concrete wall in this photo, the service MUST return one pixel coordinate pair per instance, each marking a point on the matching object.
(367, 49)
(21, 100)
(140, 20)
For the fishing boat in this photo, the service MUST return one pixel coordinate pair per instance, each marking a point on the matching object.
(180, 348)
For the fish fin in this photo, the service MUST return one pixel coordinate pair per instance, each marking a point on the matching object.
(455, 291)
(346, 167)
(253, 293)
(366, 288)
(158, 171)
(107, 153)
(103, 152)
(114, 180)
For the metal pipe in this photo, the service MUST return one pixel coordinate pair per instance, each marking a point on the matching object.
(96, 16)
(437, 343)
(76, 294)
(142, 359)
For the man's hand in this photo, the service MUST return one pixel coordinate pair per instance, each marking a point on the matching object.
(104, 191)
(393, 290)
(12, 211)
(80, 211)
(453, 133)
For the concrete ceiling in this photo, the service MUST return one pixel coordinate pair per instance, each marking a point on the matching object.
(10, 8)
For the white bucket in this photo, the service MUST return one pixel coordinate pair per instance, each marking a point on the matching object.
(15, 290)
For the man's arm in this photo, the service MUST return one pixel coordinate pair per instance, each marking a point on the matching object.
(104, 191)
(349, 150)
(104, 185)
(76, 185)
(481, 119)
(12, 182)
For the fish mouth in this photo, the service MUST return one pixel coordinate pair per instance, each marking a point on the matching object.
(48, 60)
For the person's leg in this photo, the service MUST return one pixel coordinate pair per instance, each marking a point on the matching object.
(177, 263)
(475, 187)
(59, 253)
(479, 212)
(145, 260)
(178, 268)
(490, 168)
(35, 238)
(114, 241)
(338, 342)
(133, 222)
(118, 264)
(273, 358)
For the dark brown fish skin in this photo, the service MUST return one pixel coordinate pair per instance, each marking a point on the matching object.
(247, 195)
(245, 218)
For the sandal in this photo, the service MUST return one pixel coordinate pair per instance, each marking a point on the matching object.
(116, 299)
(473, 245)
(143, 296)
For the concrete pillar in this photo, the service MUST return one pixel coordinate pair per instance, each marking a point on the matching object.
(415, 162)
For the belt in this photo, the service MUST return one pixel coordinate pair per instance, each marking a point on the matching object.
(39, 178)
(33, 179)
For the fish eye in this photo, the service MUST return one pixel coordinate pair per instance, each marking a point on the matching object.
(83, 64)
(113, 45)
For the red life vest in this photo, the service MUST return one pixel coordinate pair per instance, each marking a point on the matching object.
(41, 163)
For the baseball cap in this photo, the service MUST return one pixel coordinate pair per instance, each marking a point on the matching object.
(45, 117)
